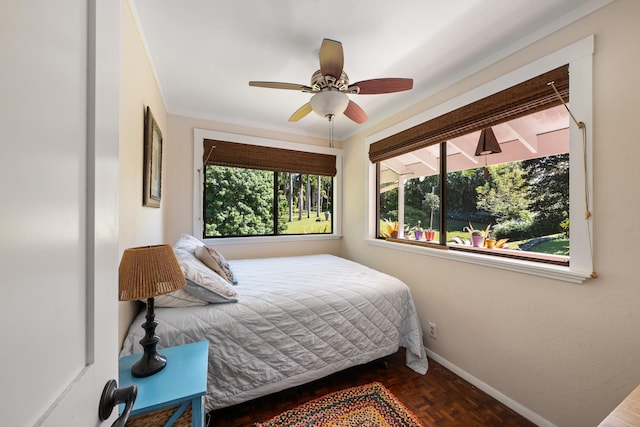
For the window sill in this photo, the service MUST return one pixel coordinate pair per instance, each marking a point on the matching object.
(521, 266)
(221, 241)
(562, 261)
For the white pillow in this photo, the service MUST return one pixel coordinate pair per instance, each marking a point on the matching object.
(188, 243)
(206, 294)
(212, 287)
(203, 285)
(216, 261)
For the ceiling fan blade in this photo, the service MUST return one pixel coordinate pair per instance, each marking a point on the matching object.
(331, 58)
(388, 85)
(301, 112)
(277, 85)
(355, 113)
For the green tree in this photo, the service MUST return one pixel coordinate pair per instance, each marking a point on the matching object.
(325, 193)
(431, 203)
(415, 191)
(305, 192)
(462, 196)
(238, 201)
(505, 195)
(548, 179)
(389, 203)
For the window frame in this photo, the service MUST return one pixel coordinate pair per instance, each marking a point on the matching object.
(579, 56)
(199, 135)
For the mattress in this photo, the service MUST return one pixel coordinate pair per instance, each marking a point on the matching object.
(297, 319)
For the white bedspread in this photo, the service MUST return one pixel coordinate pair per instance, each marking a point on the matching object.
(297, 319)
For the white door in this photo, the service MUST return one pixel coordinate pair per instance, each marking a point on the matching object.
(59, 84)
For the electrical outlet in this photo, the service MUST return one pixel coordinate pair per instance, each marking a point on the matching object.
(433, 330)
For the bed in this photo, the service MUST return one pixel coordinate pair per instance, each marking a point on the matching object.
(292, 320)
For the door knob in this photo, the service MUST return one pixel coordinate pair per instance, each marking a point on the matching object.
(112, 396)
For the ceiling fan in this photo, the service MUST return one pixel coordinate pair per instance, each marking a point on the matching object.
(330, 86)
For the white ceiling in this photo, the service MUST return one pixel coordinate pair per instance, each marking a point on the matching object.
(205, 52)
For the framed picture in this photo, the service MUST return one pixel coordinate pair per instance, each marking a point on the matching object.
(152, 161)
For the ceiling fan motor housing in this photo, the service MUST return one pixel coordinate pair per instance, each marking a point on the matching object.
(321, 82)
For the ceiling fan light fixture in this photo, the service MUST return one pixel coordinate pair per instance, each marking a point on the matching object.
(488, 143)
(329, 103)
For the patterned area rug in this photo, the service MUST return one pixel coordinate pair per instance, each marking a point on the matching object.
(370, 405)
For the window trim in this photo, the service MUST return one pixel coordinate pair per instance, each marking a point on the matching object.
(579, 56)
(199, 135)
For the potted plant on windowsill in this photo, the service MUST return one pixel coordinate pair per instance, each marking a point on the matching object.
(417, 231)
(477, 236)
(429, 235)
(390, 229)
(489, 241)
(477, 239)
(433, 202)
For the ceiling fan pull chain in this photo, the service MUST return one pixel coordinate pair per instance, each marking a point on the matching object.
(330, 117)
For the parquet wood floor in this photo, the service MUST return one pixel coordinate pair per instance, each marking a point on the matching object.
(439, 398)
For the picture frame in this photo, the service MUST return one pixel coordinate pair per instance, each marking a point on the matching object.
(152, 187)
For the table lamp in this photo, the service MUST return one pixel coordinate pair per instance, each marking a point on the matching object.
(146, 272)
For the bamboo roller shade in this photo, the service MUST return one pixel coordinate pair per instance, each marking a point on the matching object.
(520, 100)
(233, 154)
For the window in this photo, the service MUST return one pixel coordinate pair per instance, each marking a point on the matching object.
(262, 188)
(242, 202)
(516, 201)
(427, 177)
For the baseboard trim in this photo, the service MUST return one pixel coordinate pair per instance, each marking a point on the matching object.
(520, 409)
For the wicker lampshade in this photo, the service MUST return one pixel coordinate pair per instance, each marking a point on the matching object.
(148, 271)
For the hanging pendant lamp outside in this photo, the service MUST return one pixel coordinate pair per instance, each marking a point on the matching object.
(487, 144)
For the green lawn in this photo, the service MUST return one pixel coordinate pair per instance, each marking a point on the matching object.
(308, 225)
(558, 246)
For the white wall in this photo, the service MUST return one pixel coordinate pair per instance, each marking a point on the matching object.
(569, 353)
(139, 225)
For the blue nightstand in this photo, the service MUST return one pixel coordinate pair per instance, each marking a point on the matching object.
(172, 392)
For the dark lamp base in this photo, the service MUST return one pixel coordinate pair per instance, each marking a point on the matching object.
(148, 364)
